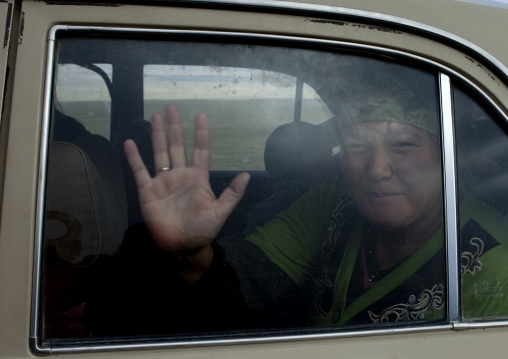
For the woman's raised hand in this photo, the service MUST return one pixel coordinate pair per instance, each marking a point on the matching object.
(180, 211)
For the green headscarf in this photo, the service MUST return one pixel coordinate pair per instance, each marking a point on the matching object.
(393, 108)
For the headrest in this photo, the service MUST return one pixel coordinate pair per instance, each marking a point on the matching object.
(86, 209)
(300, 150)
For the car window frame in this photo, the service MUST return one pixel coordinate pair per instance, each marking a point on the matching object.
(444, 73)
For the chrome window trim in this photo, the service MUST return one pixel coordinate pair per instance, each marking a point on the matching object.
(44, 142)
(444, 74)
(450, 202)
(308, 9)
(274, 339)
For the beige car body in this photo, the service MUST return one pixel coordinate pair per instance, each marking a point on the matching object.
(463, 37)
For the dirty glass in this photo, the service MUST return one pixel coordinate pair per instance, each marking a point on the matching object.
(482, 157)
(225, 93)
(339, 226)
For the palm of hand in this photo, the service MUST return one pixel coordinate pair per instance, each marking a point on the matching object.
(178, 205)
(180, 210)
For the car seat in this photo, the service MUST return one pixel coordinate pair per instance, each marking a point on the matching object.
(85, 217)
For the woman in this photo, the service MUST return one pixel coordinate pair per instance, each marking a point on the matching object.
(364, 247)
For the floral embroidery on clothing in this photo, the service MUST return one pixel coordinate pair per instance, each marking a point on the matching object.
(414, 309)
(337, 221)
(486, 290)
(470, 261)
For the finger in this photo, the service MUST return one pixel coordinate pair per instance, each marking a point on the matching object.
(175, 134)
(138, 168)
(160, 147)
(232, 195)
(201, 151)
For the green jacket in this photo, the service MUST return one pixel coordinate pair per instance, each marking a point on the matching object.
(317, 245)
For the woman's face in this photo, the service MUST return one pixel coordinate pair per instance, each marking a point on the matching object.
(393, 171)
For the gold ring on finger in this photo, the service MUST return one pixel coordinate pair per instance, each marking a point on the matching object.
(162, 169)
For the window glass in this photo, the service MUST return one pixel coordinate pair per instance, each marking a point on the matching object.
(339, 226)
(314, 109)
(263, 100)
(482, 157)
(81, 93)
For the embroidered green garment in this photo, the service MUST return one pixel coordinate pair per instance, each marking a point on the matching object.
(484, 262)
(295, 239)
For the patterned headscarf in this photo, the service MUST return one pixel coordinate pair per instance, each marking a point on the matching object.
(394, 108)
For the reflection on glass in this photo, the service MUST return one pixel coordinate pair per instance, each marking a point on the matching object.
(339, 226)
(482, 156)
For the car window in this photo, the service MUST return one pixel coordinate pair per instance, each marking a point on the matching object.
(482, 149)
(340, 226)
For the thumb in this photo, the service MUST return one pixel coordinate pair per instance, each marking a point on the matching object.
(232, 195)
